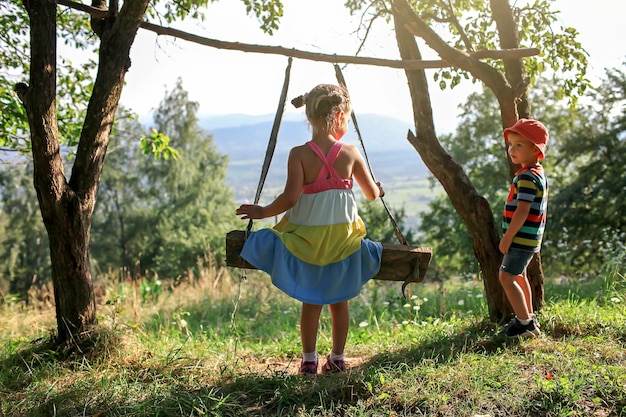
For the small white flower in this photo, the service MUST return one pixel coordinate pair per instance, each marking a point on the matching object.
(386, 303)
(461, 302)
(416, 308)
(363, 324)
(616, 300)
(479, 295)
(183, 323)
(405, 322)
(407, 305)
(425, 299)
(414, 297)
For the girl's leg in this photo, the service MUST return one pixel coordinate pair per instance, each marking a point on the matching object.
(309, 324)
(340, 320)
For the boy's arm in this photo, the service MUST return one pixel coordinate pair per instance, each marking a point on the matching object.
(517, 221)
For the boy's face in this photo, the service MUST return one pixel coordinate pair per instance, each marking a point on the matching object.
(522, 151)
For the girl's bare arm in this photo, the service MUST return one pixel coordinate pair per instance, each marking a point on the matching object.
(371, 189)
(285, 200)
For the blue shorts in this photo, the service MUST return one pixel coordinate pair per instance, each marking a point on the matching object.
(516, 261)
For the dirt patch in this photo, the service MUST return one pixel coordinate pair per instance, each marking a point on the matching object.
(291, 367)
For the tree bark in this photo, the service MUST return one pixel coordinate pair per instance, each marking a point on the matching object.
(67, 207)
(473, 209)
(515, 75)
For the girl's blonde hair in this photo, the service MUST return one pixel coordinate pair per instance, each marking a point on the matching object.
(323, 102)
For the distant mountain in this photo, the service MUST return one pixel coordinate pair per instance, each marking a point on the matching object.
(245, 139)
(250, 134)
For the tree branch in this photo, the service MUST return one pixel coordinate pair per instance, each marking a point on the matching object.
(458, 26)
(295, 53)
(114, 57)
(455, 57)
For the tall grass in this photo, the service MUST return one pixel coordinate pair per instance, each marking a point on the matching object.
(220, 345)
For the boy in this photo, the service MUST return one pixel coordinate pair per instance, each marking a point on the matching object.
(524, 220)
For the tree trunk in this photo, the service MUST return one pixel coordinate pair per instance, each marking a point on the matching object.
(65, 218)
(68, 224)
(515, 75)
(510, 90)
(67, 207)
(471, 207)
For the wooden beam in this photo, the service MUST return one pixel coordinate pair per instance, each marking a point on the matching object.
(295, 53)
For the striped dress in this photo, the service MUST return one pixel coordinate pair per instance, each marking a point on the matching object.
(529, 184)
(317, 253)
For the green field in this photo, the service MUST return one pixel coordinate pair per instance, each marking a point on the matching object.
(217, 345)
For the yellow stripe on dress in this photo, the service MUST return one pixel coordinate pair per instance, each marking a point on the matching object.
(321, 245)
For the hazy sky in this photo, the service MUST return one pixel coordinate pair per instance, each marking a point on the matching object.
(233, 82)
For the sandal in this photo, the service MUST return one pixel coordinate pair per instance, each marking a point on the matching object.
(333, 366)
(308, 368)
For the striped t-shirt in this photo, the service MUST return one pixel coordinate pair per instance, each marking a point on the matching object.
(529, 184)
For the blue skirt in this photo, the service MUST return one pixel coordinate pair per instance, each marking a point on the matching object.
(313, 284)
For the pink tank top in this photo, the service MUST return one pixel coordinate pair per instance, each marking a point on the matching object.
(328, 178)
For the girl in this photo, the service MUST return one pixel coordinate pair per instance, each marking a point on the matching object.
(317, 253)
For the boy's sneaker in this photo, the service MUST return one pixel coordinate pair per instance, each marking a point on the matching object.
(308, 368)
(506, 326)
(537, 325)
(513, 320)
(333, 366)
(516, 329)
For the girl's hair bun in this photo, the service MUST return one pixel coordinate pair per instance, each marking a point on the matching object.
(299, 101)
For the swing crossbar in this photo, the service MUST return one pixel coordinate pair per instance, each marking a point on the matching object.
(399, 262)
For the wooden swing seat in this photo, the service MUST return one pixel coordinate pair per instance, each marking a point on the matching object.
(398, 263)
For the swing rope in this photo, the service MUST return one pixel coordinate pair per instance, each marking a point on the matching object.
(396, 229)
(271, 145)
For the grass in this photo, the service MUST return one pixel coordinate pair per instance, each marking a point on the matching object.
(225, 347)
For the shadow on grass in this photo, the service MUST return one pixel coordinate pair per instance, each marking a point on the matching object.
(153, 391)
(478, 338)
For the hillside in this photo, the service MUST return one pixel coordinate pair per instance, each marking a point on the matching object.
(393, 160)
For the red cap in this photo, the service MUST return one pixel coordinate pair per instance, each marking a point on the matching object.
(533, 131)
